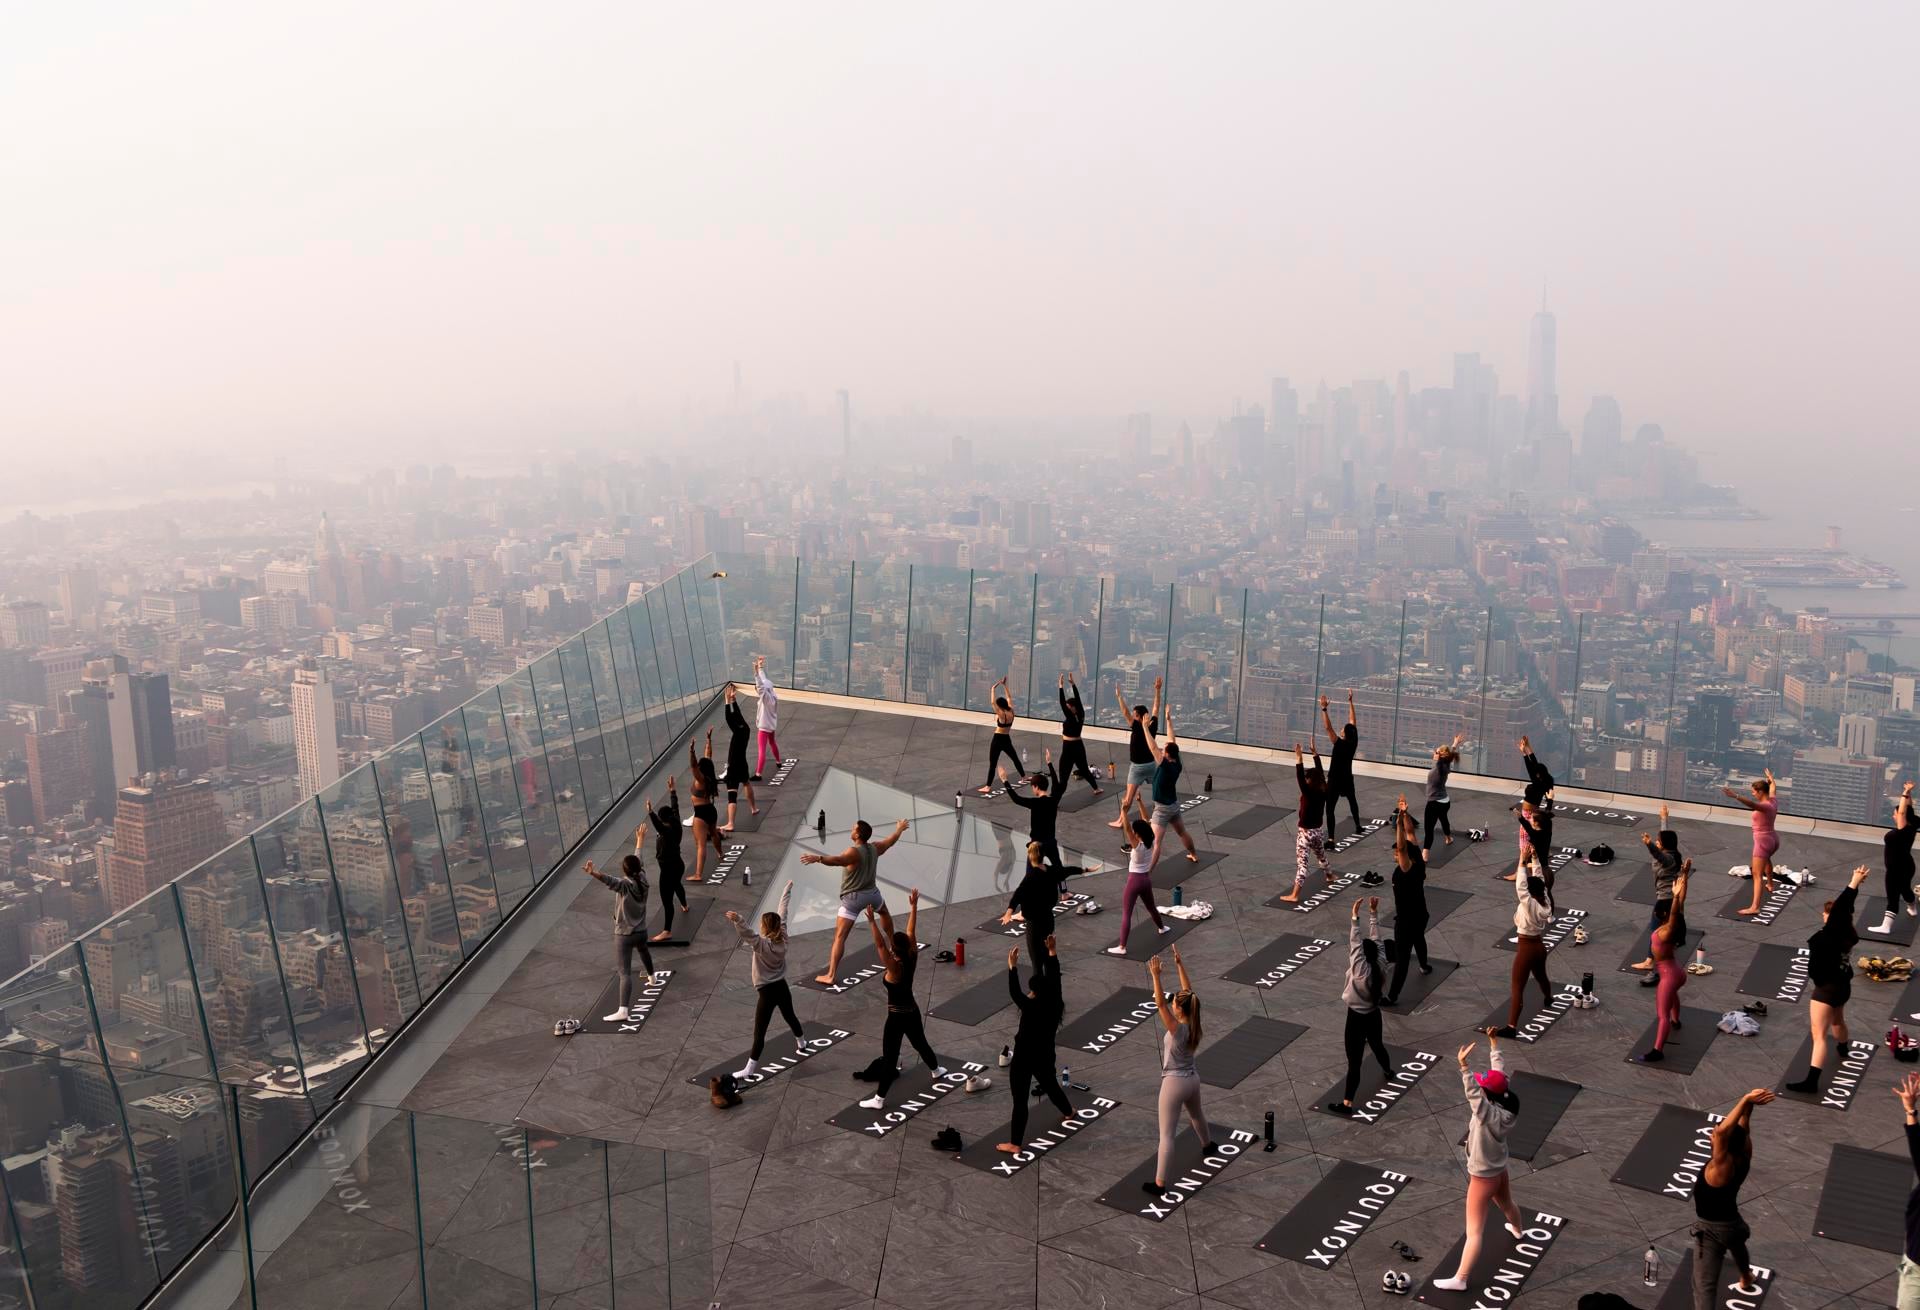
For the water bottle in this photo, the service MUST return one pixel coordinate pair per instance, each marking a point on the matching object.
(1269, 1132)
(956, 800)
(1209, 782)
(1066, 1076)
(1176, 894)
(820, 823)
(959, 950)
(1586, 984)
(1653, 1266)
(746, 875)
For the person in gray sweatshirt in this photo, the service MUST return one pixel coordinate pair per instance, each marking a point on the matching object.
(629, 926)
(1366, 981)
(769, 978)
(1494, 1109)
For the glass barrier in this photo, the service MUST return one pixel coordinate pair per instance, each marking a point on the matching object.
(1203, 668)
(1066, 644)
(576, 682)
(606, 708)
(671, 656)
(497, 790)
(880, 604)
(532, 774)
(628, 695)
(999, 643)
(653, 678)
(1279, 677)
(755, 609)
(938, 648)
(454, 796)
(822, 631)
(1135, 621)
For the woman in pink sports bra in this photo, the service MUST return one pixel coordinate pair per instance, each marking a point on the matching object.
(1765, 840)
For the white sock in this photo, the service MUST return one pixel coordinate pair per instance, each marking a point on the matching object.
(874, 1102)
(1451, 1284)
(618, 1016)
(1885, 924)
(751, 1068)
(1514, 1231)
(940, 1071)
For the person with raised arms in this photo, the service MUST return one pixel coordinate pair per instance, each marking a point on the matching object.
(1073, 721)
(629, 926)
(1664, 853)
(1032, 1064)
(1897, 844)
(1667, 942)
(706, 813)
(737, 775)
(900, 953)
(1832, 979)
(859, 867)
(1908, 1090)
(1718, 1229)
(1166, 790)
(1410, 914)
(1143, 856)
(1344, 744)
(1765, 808)
(1439, 803)
(666, 856)
(1003, 717)
(1179, 1075)
(1493, 1109)
(771, 992)
(1142, 724)
(1310, 835)
(1364, 986)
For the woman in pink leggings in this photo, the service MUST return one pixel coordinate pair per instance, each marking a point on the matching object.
(1143, 853)
(1765, 841)
(1668, 941)
(767, 720)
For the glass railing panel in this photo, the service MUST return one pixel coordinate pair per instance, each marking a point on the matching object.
(607, 709)
(1619, 711)
(47, 1002)
(370, 897)
(1440, 681)
(455, 797)
(1000, 643)
(182, 1136)
(419, 864)
(706, 670)
(576, 677)
(539, 817)
(938, 641)
(563, 764)
(703, 599)
(756, 610)
(823, 629)
(670, 648)
(1132, 645)
(1278, 706)
(496, 787)
(1359, 653)
(1203, 674)
(1066, 642)
(879, 630)
(1714, 697)
(673, 602)
(315, 954)
(662, 1226)
(475, 1190)
(15, 1289)
(627, 692)
(574, 1243)
(653, 685)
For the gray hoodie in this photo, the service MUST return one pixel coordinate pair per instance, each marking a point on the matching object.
(630, 905)
(1358, 993)
(769, 957)
(1490, 1123)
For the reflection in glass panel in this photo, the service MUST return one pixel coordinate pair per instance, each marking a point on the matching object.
(1277, 706)
(1620, 726)
(672, 656)
(419, 867)
(1711, 703)
(821, 661)
(937, 640)
(756, 601)
(537, 813)
(653, 684)
(606, 705)
(718, 651)
(1000, 642)
(474, 1199)
(497, 789)
(1133, 646)
(628, 693)
(1066, 641)
(879, 630)
(556, 730)
(572, 1243)
(449, 788)
(674, 602)
(577, 677)
(705, 662)
(1203, 675)
(370, 894)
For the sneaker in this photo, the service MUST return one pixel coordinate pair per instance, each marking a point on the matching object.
(874, 1102)
(748, 1070)
(947, 1140)
(618, 1016)
(1650, 980)
(1335, 1107)
(940, 1071)
(1579, 936)
(1505, 1031)
(1111, 950)
(800, 1046)
(755, 778)
(978, 1082)
(1006, 1056)
(1655, 1056)
(1913, 909)
(1164, 929)
(1757, 1009)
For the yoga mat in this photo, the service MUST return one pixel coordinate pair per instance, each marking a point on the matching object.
(1375, 1095)
(979, 1002)
(1080, 796)
(1193, 1168)
(1907, 1008)
(778, 1057)
(686, 923)
(1319, 892)
(1325, 1223)
(1018, 927)
(1108, 1021)
(1670, 1154)
(1146, 941)
(1441, 901)
(1839, 1085)
(1564, 813)
(857, 965)
(1419, 986)
(1864, 1199)
(645, 996)
(1871, 908)
(1777, 973)
(1250, 822)
(1175, 868)
(1770, 905)
(1045, 1134)
(1501, 1272)
(1685, 1048)
(1542, 1101)
(1227, 1061)
(1637, 949)
(913, 1092)
(1558, 933)
(1536, 1019)
(1346, 842)
(1679, 1293)
(1637, 890)
(1275, 962)
(1442, 854)
(745, 820)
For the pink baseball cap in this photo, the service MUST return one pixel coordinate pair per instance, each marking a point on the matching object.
(1492, 1081)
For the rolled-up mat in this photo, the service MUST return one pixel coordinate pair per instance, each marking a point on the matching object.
(1110, 1019)
(1193, 1168)
(1840, 1083)
(1685, 1047)
(1250, 822)
(1279, 959)
(1046, 1133)
(1227, 1061)
(978, 1002)
(1679, 1292)
(1671, 1152)
(1864, 1199)
(1325, 1223)
(1871, 910)
(1776, 973)
(1505, 1264)
(1377, 1093)
(1419, 986)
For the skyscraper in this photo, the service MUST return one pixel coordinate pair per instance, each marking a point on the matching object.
(80, 598)
(104, 704)
(58, 770)
(1543, 401)
(161, 829)
(314, 739)
(152, 704)
(25, 625)
(1600, 436)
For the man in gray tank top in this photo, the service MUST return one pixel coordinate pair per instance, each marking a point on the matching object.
(859, 867)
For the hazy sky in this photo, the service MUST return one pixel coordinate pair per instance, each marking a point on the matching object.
(278, 223)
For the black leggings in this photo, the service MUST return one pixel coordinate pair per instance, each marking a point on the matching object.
(1073, 760)
(1339, 789)
(909, 1026)
(1409, 939)
(1529, 961)
(623, 948)
(1002, 745)
(775, 995)
(1364, 1030)
(1899, 885)
(1025, 1073)
(671, 890)
(1437, 812)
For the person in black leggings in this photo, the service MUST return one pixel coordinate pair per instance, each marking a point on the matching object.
(629, 926)
(1439, 803)
(903, 1011)
(1073, 751)
(1718, 1229)
(738, 774)
(1043, 810)
(1033, 1063)
(1033, 900)
(1410, 917)
(1345, 744)
(1362, 995)
(1539, 788)
(1908, 1090)
(1898, 843)
(771, 992)
(1003, 717)
(1832, 979)
(666, 856)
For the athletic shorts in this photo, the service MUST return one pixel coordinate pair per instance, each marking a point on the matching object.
(1165, 814)
(705, 810)
(854, 904)
(1140, 775)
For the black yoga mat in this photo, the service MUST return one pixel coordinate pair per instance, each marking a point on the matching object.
(1324, 1224)
(1679, 1293)
(859, 964)
(1280, 958)
(1840, 1084)
(1193, 1169)
(979, 1002)
(1638, 890)
(1442, 853)
(912, 1094)
(1569, 813)
(686, 923)
(1175, 868)
(1542, 1101)
(1500, 1270)
(1080, 796)
(1227, 1061)
(1639, 947)
(1045, 1134)
(1685, 1048)
(1864, 1199)
(1559, 932)
(1537, 1018)
(1110, 1019)
(1907, 1008)
(1441, 901)
(1777, 973)
(1419, 986)
(1869, 917)
(646, 995)
(1376, 1095)
(1670, 1154)
(779, 1055)
(1145, 940)
(1018, 928)
(1771, 905)
(744, 819)
(1250, 822)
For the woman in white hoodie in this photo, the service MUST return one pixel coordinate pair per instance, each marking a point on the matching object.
(1494, 1109)
(767, 717)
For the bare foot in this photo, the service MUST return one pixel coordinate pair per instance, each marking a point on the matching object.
(756, 811)
(1449, 839)
(826, 980)
(1191, 856)
(1748, 910)
(662, 936)
(728, 827)
(1291, 898)
(1644, 966)
(1011, 1148)
(694, 877)
(1506, 877)
(1116, 823)
(982, 790)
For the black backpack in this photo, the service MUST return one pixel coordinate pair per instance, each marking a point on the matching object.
(1601, 854)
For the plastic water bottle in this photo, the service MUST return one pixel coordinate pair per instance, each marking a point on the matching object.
(820, 823)
(1066, 1075)
(1653, 1266)
(746, 875)
(956, 800)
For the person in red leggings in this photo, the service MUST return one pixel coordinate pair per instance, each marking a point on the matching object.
(1667, 941)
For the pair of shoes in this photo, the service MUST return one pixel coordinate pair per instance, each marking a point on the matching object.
(947, 1140)
(1371, 879)
(1579, 936)
(1757, 1009)
(1087, 907)
(978, 1082)
(1649, 980)
(1006, 1056)
(874, 1102)
(1396, 1283)
(565, 1027)
(1698, 967)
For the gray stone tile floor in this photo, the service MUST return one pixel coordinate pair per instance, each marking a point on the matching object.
(807, 1216)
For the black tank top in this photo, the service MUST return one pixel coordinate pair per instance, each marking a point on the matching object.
(1722, 1204)
(900, 994)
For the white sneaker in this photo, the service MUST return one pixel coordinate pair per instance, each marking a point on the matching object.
(1006, 1056)
(799, 1046)
(618, 1016)
(874, 1102)
(751, 1068)
(1116, 950)
(940, 1071)
(1164, 929)
(978, 1083)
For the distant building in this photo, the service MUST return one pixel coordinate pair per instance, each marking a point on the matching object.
(25, 625)
(1828, 782)
(162, 828)
(59, 771)
(1543, 400)
(315, 734)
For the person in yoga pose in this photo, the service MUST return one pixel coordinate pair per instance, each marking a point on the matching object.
(1766, 842)
(1410, 915)
(666, 856)
(1531, 842)
(1439, 803)
(1003, 717)
(1492, 1109)
(1166, 790)
(706, 814)
(1033, 1064)
(766, 717)
(1898, 844)
(629, 926)
(771, 992)
(1142, 724)
(1664, 853)
(1043, 810)
(1908, 1090)
(900, 953)
(1365, 984)
(1539, 788)
(1344, 744)
(1033, 900)
(1179, 1076)
(1143, 855)
(1667, 943)
(859, 867)
(1310, 837)
(1718, 1229)
(1532, 915)
(1832, 979)
(737, 775)
(1073, 720)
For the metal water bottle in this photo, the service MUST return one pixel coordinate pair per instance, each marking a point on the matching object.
(1209, 782)
(1269, 1131)
(1586, 983)
(956, 800)
(1109, 770)
(820, 823)
(959, 950)
(1653, 1266)
(1176, 894)
(746, 875)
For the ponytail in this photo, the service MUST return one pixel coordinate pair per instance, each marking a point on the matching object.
(1193, 1021)
(1370, 949)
